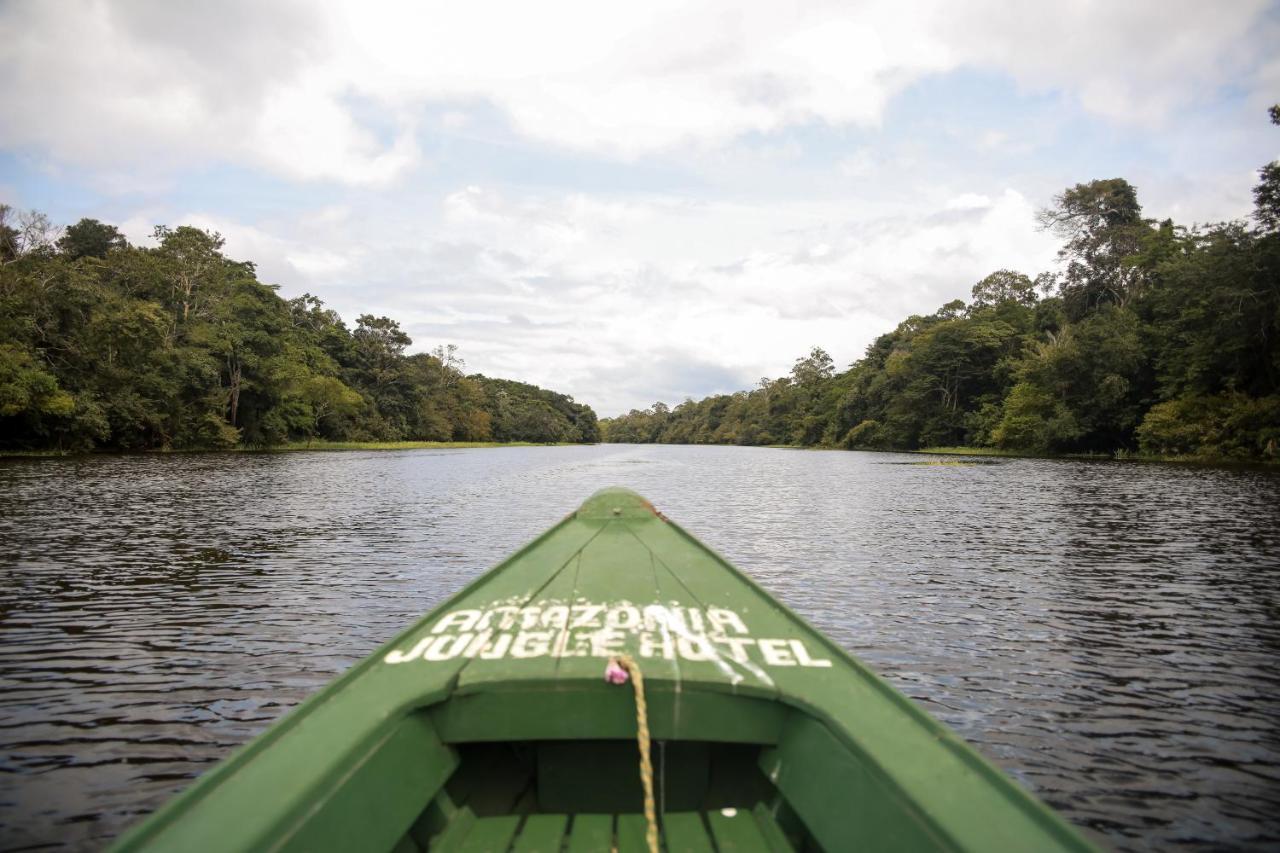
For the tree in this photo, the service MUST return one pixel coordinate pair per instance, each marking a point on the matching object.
(1003, 286)
(814, 367)
(179, 346)
(328, 398)
(1102, 224)
(8, 235)
(27, 232)
(1216, 313)
(192, 261)
(1086, 383)
(1266, 195)
(90, 238)
(379, 343)
(451, 364)
(1033, 420)
(27, 387)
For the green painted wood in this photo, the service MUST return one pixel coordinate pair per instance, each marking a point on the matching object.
(490, 835)
(614, 577)
(479, 764)
(736, 830)
(735, 778)
(933, 775)
(360, 810)
(312, 748)
(454, 833)
(501, 790)
(590, 833)
(631, 834)
(604, 776)
(596, 711)
(844, 802)
(406, 845)
(775, 838)
(434, 818)
(685, 832)
(541, 833)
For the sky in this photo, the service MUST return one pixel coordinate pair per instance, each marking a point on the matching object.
(631, 202)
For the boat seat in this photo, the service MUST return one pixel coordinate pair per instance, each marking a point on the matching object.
(682, 832)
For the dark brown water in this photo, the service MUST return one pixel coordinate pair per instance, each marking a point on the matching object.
(1108, 633)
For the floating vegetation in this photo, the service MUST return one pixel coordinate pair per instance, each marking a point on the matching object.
(949, 462)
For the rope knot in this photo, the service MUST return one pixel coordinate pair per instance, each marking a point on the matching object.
(615, 673)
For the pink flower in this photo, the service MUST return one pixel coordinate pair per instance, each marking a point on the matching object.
(615, 674)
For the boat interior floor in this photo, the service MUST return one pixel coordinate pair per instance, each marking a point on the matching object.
(587, 796)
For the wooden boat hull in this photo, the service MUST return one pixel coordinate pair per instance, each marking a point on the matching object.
(488, 725)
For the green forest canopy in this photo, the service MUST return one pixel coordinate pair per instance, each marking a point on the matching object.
(1153, 337)
(108, 345)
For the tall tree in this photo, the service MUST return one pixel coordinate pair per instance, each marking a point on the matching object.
(90, 238)
(1266, 195)
(191, 261)
(1102, 224)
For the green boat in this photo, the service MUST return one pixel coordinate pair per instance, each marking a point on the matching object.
(498, 723)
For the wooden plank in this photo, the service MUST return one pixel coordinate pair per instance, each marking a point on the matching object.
(433, 820)
(382, 795)
(491, 835)
(590, 833)
(474, 765)
(774, 836)
(541, 833)
(841, 800)
(537, 622)
(684, 832)
(615, 570)
(455, 833)
(406, 844)
(735, 778)
(500, 791)
(579, 776)
(631, 837)
(597, 711)
(735, 830)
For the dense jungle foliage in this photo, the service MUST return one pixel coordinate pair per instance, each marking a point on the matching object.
(1151, 337)
(108, 345)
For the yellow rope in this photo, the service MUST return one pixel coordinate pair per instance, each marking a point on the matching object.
(642, 738)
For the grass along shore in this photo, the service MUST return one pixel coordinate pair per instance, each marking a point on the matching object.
(403, 445)
(1118, 456)
(1121, 455)
(328, 446)
(295, 446)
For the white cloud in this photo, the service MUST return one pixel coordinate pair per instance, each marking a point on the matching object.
(859, 164)
(770, 242)
(330, 90)
(1131, 62)
(301, 259)
(606, 298)
(162, 87)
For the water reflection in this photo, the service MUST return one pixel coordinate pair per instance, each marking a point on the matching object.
(1105, 632)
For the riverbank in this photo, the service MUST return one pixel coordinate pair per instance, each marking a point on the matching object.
(402, 445)
(295, 446)
(1119, 456)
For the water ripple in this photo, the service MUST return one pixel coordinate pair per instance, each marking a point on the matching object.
(1107, 633)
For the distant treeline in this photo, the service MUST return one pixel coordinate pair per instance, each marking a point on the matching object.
(108, 345)
(1152, 338)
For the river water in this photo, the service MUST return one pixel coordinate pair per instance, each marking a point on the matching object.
(1108, 633)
